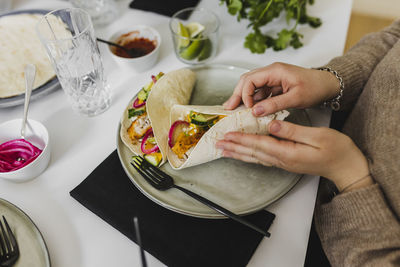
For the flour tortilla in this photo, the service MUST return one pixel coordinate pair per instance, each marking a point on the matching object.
(175, 87)
(240, 119)
(20, 45)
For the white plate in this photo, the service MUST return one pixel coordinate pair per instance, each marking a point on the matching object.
(241, 187)
(41, 91)
(32, 248)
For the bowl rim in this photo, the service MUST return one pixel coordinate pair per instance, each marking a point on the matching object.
(174, 17)
(121, 31)
(46, 145)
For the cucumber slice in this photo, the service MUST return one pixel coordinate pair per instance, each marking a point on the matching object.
(202, 119)
(153, 159)
(148, 86)
(132, 112)
(159, 75)
(142, 95)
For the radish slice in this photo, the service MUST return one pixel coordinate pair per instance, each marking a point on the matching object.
(171, 142)
(143, 145)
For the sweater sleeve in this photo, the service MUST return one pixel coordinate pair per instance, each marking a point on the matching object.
(359, 229)
(356, 66)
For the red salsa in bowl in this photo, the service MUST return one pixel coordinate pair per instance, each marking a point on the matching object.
(141, 47)
(137, 46)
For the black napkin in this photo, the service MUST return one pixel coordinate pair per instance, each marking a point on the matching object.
(175, 239)
(164, 7)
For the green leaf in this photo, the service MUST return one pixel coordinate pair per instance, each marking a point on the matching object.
(261, 12)
(256, 42)
(234, 6)
(284, 37)
(290, 14)
(314, 21)
(295, 41)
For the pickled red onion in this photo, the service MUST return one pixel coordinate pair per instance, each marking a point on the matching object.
(172, 129)
(16, 154)
(154, 78)
(143, 145)
(136, 103)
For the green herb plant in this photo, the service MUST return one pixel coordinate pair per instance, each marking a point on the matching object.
(261, 12)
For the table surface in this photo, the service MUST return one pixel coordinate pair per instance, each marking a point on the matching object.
(77, 237)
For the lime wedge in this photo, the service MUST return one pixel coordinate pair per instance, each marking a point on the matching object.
(194, 29)
(206, 50)
(184, 33)
(193, 50)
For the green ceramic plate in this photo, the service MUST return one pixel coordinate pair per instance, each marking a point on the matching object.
(241, 187)
(32, 248)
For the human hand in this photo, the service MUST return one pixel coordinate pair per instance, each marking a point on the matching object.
(291, 87)
(318, 151)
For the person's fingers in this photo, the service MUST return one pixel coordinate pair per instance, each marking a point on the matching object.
(245, 152)
(236, 97)
(276, 90)
(253, 144)
(274, 104)
(244, 157)
(238, 156)
(269, 76)
(261, 94)
(233, 102)
(301, 134)
(253, 80)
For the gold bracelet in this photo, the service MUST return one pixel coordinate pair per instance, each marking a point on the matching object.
(355, 182)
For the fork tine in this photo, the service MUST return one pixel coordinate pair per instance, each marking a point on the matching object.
(2, 245)
(155, 170)
(157, 175)
(14, 243)
(144, 174)
(6, 244)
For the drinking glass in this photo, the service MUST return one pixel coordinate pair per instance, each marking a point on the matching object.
(195, 35)
(68, 36)
(101, 11)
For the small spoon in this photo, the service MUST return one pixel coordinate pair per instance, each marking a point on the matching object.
(131, 52)
(30, 73)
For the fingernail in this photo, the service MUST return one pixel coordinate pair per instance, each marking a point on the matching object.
(274, 127)
(258, 110)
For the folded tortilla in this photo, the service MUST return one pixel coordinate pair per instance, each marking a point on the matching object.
(20, 45)
(240, 119)
(172, 88)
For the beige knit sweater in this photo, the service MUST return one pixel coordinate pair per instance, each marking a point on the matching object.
(362, 228)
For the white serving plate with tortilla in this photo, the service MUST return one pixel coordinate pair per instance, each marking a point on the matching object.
(241, 187)
(32, 248)
(48, 87)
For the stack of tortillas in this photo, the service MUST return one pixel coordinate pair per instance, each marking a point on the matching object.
(20, 45)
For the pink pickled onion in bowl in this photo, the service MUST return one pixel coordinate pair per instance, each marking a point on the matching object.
(16, 154)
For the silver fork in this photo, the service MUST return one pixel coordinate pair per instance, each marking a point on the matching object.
(9, 251)
(162, 181)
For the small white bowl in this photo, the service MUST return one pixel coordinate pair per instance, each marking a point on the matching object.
(138, 64)
(37, 135)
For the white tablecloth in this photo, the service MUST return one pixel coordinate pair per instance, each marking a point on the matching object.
(77, 237)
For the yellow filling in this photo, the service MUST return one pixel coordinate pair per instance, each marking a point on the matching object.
(189, 138)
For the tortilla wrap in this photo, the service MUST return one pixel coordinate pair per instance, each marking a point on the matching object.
(20, 45)
(240, 119)
(172, 88)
